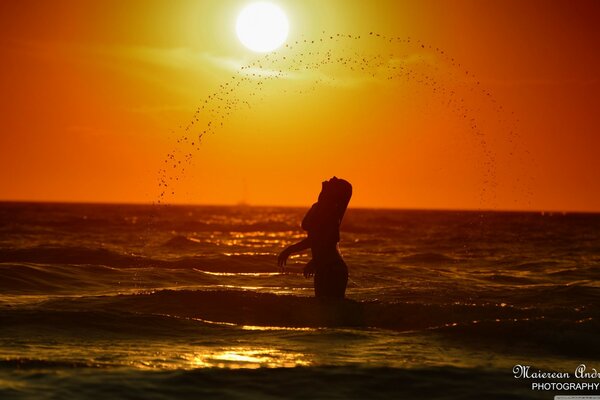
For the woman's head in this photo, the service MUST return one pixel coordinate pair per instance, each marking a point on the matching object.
(329, 210)
(336, 193)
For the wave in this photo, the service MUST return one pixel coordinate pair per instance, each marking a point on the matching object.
(182, 242)
(99, 324)
(427, 258)
(242, 307)
(579, 272)
(222, 314)
(326, 382)
(534, 265)
(75, 255)
(32, 363)
(510, 279)
(54, 280)
(570, 338)
(41, 279)
(71, 255)
(24, 278)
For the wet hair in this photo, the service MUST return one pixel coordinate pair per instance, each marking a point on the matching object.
(341, 192)
(334, 198)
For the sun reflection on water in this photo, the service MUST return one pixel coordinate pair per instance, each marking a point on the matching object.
(258, 274)
(226, 357)
(248, 357)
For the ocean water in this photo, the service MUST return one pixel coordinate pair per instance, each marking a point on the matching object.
(141, 301)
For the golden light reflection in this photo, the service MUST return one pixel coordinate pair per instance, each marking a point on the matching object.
(238, 273)
(249, 357)
(275, 328)
(238, 357)
(258, 239)
(250, 327)
(247, 253)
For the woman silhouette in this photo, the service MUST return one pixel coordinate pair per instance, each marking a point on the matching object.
(322, 223)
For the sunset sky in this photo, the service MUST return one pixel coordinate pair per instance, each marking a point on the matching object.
(96, 95)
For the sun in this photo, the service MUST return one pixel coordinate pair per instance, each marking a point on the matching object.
(262, 27)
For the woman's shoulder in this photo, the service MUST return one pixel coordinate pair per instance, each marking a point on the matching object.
(311, 217)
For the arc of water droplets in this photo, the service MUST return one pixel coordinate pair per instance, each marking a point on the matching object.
(339, 50)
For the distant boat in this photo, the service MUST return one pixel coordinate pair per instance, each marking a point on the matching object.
(244, 201)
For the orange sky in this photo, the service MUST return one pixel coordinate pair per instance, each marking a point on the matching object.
(94, 94)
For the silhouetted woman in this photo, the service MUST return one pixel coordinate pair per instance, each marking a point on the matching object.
(322, 223)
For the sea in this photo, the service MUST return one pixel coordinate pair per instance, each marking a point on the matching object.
(105, 301)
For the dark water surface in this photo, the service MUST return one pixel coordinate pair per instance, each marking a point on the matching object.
(161, 302)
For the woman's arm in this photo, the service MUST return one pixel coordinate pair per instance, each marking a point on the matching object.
(295, 248)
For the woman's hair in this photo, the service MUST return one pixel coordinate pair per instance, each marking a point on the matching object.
(329, 210)
(337, 193)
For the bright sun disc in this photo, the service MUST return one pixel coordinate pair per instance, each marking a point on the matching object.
(262, 27)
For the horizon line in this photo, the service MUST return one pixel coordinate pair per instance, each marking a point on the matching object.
(440, 209)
